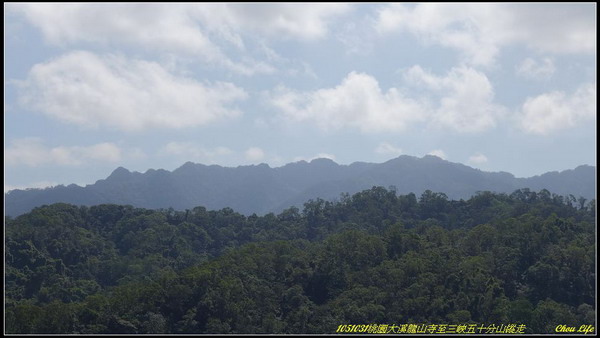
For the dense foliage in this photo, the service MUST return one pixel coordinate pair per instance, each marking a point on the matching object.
(374, 257)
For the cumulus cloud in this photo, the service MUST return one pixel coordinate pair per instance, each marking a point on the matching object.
(537, 70)
(157, 26)
(479, 31)
(439, 153)
(178, 26)
(444, 24)
(464, 98)
(33, 152)
(553, 111)
(200, 31)
(112, 91)
(278, 20)
(461, 101)
(385, 148)
(477, 159)
(254, 154)
(357, 102)
(191, 151)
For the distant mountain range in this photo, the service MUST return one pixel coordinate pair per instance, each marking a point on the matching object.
(261, 189)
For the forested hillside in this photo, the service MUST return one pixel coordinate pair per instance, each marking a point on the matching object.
(376, 257)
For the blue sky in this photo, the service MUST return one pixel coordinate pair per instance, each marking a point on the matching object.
(91, 87)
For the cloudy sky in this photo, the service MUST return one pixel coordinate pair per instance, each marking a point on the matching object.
(90, 87)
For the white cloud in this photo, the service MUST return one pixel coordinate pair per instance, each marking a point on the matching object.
(385, 148)
(556, 28)
(34, 185)
(179, 26)
(465, 98)
(479, 31)
(278, 20)
(317, 156)
(532, 69)
(105, 152)
(357, 102)
(112, 91)
(323, 155)
(462, 101)
(553, 111)
(254, 154)
(447, 25)
(157, 26)
(203, 32)
(477, 159)
(439, 153)
(32, 152)
(191, 151)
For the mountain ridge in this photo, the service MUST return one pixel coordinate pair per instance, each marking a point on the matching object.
(261, 189)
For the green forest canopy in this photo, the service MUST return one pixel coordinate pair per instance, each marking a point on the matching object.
(370, 258)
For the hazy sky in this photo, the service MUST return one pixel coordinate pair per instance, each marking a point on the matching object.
(90, 87)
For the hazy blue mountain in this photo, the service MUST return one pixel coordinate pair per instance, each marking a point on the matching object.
(261, 189)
